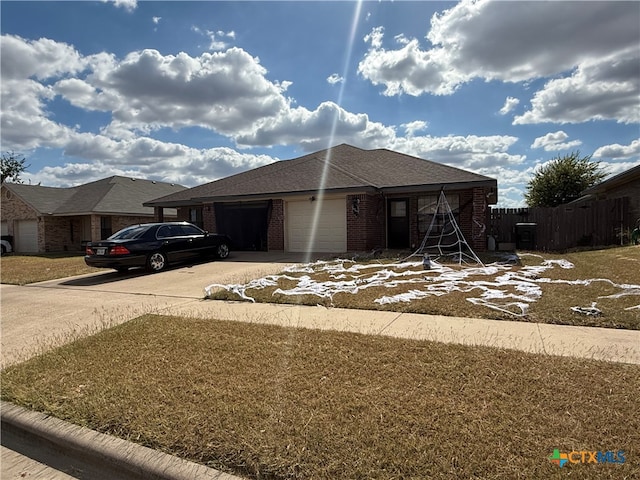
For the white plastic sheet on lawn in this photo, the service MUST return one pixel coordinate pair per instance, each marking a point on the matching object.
(499, 286)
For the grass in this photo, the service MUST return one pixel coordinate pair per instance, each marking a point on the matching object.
(23, 269)
(278, 403)
(620, 265)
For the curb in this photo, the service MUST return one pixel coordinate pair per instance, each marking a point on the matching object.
(87, 454)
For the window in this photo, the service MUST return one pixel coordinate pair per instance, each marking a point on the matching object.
(132, 232)
(164, 232)
(190, 230)
(427, 211)
(195, 216)
(398, 208)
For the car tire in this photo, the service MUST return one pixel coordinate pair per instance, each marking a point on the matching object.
(4, 250)
(156, 262)
(222, 251)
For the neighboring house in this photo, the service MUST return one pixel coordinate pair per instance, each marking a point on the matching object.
(623, 185)
(337, 200)
(62, 219)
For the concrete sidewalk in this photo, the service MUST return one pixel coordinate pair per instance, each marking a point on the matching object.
(583, 342)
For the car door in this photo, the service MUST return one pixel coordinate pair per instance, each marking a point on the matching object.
(195, 238)
(173, 243)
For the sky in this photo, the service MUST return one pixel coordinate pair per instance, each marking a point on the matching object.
(190, 92)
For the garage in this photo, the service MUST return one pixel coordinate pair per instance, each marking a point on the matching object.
(245, 222)
(331, 231)
(4, 228)
(26, 236)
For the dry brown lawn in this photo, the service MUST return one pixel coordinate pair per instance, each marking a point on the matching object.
(23, 269)
(278, 403)
(618, 265)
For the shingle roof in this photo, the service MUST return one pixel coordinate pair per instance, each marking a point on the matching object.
(633, 174)
(113, 195)
(348, 168)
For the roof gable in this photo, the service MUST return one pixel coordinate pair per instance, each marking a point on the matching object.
(41, 199)
(112, 195)
(628, 176)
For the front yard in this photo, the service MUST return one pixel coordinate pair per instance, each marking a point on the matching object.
(281, 403)
(269, 402)
(590, 288)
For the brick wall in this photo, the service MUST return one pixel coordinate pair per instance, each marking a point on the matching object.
(209, 218)
(465, 218)
(480, 221)
(275, 229)
(365, 222)
(183, 215)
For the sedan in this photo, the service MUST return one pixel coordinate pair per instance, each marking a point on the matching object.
(155, 245)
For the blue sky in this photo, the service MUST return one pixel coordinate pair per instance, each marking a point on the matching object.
(189, 92)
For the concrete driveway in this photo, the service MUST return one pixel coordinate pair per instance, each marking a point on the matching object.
(39, 316)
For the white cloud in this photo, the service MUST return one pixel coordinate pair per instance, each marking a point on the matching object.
(145, 158)
(408, 70)
(375, 37)
(217, 40)
(156, 20)
(606, 89)
(329, 124)
(470, 152)
(555, 141)
(509, 104)
(518, 42)
(334, 78)
(41, 59)
(416, 126)
(222, 91)
(128, 5)
(619, 152)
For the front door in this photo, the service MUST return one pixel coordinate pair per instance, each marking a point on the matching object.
(398, 223)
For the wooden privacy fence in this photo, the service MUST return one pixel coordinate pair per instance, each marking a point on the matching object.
(588, 223)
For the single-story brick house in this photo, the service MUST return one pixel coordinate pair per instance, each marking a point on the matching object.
(62, 219)
(358, 200)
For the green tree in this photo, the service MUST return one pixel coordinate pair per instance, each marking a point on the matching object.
(562, 180)
(11, 166)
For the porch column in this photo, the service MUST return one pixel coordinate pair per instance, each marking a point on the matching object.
(158, 213)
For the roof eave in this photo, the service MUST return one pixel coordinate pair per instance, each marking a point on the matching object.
(436, 187)
(267, 196)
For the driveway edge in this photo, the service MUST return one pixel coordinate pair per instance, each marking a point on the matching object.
(85, 453)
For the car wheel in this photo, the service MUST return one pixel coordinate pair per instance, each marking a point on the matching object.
(156, 262)
(4, 250)
(222, 251)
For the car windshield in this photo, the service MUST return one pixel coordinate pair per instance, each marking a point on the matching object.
(129, 233)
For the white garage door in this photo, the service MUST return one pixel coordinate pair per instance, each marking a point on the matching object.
(26, 236)
(330, 233)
